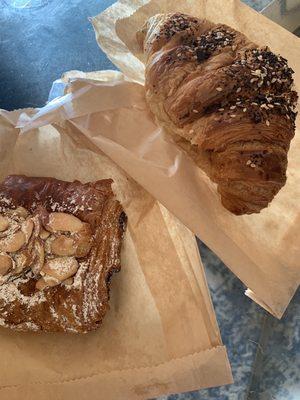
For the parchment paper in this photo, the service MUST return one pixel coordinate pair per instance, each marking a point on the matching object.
(262, 250)
(160, 335)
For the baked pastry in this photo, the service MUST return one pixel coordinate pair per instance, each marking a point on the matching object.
(226, 102)
(60, 243)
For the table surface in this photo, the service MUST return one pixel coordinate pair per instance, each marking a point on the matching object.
(41, 39)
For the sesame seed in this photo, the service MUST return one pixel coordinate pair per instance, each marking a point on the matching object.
(234, 47)
(257, 72)
(254, 104)
(219, 89)
(267, 123)
(232, 107)
(253, 80)
(260, 58)
(244, 109)
(270, 106)
(248, 162)
(195, 111)
(221, 109)
(238, 89)
(273, 80)
(264, 106)
(287, 116)
(233, 115)
(252, 165)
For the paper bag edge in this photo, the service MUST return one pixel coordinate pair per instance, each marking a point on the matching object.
(148, 384)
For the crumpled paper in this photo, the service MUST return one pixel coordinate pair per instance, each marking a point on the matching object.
(160, 334)
(262, 250)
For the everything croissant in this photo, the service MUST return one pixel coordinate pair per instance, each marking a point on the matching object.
(228, 103)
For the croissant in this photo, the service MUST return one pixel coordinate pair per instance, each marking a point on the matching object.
(226, 102)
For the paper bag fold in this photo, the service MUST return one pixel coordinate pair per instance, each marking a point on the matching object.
(252, 246)
(262, 250)
(160, 334)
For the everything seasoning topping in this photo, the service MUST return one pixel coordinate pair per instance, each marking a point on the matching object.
(256, 159)
(197, 48)
(178, 23)
(263, 80)
(264, 68)
(201, 48)
(207, 44)
(263, 86)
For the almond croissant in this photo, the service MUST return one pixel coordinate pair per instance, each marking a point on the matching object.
(228, 103)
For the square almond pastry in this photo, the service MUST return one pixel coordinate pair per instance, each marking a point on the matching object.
(60, 242)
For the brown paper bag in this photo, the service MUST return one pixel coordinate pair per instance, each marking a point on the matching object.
(262, 250)
(160, 335)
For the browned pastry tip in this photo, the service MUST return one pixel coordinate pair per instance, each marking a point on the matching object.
(229, 104)
(60, 242)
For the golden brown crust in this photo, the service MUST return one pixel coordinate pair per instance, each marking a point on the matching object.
(80, 303)
(228, 103)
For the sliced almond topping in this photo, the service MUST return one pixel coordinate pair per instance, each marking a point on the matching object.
(6, 264)
(68, 282)
(83, 241)
(45, 282)
(60, 268)
(41, 284)
(62, 222)
(78, 245)
(63, 246)
(50, 280)
(39, 259)
(4, 223)
(12, 243)
(27, 229)
(22, 261)
(20, 212)
(44, 234)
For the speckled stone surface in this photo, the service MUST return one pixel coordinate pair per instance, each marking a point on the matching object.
(264, 353)
(41, 39)
(258, 5)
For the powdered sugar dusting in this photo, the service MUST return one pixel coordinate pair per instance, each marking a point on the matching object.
(75, 203)
(27, 326)
(11, 292)
(4, 203)
(90, 306)
(78, 278)
(76, 314)
(62, 264)
(54, 313)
